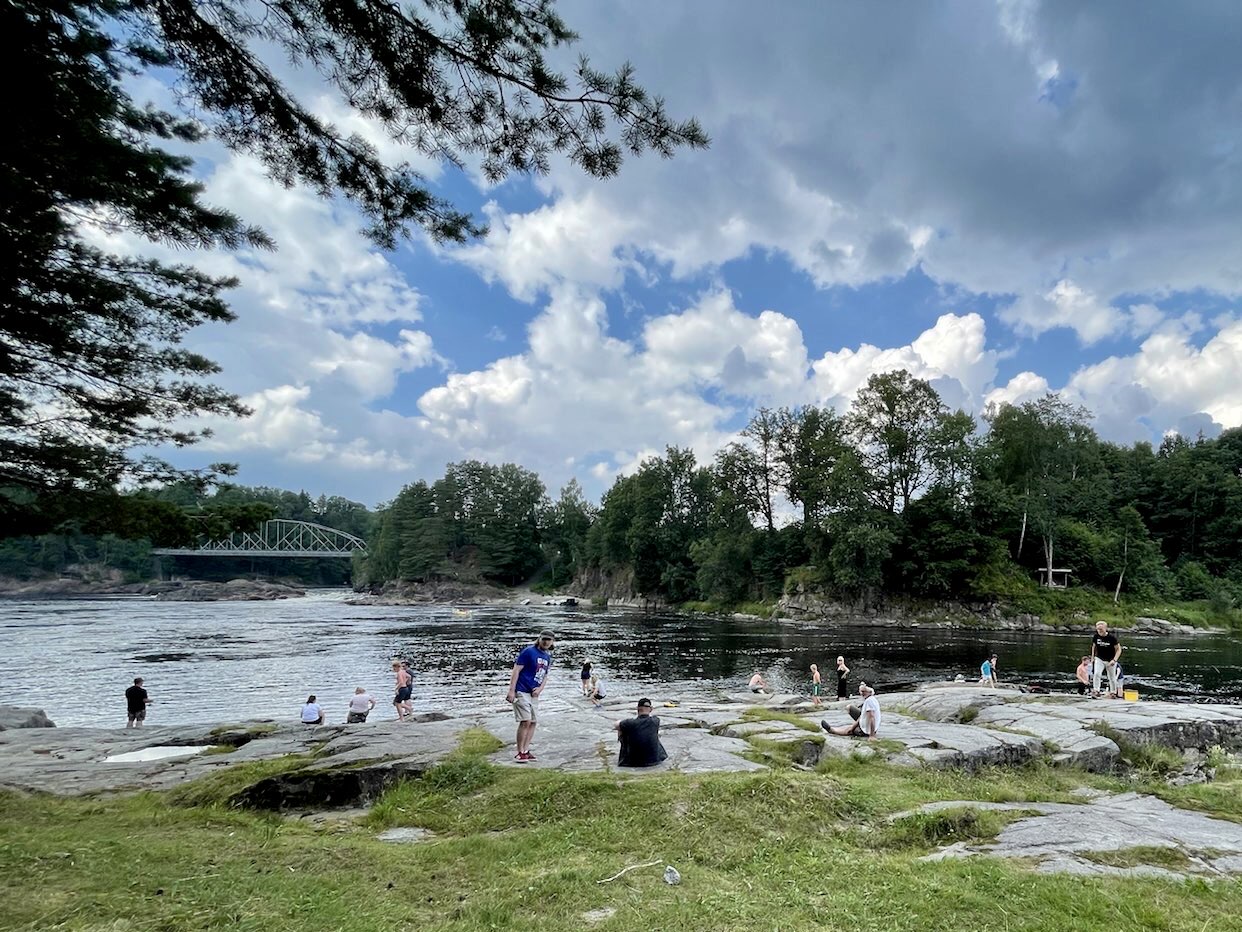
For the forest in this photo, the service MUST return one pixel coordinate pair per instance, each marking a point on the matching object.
(897, 497)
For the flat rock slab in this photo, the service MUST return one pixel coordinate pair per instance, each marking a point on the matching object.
(1069, 722)
(936, 744)
(1062, 836)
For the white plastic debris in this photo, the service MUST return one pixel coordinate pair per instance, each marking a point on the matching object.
(671, 876)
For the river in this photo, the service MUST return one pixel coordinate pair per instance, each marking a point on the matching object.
(226, 661)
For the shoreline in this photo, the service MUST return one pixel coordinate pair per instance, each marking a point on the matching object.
(472, 595)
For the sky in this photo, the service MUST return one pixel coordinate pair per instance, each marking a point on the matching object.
(1003, 199)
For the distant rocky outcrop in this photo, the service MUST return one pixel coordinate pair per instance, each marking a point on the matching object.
(16, 717)
(433, 591)
(235, 590)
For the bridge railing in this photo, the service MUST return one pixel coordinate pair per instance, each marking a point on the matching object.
(279, 537)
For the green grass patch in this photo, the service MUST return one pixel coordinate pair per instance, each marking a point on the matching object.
(759, 609)
(760, 714)
(514, 848)
(1147, 757)
(1173, 859)
(947, 826)
(219, 749)
(223, 788)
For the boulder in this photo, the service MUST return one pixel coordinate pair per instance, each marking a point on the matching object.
(16, 717)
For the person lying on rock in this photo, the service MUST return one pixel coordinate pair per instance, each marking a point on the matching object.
(640, 738)
(866, 718)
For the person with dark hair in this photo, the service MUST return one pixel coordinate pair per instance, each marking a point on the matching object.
(586, 678)
(312, 714)
(640, 738)
(136, 702)
(526, 682)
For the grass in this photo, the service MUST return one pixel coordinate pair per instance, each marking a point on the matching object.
(1149, 759)
(758, 609)
(775, 715)
(517, 848)
(1082, 604)
(1173, 859)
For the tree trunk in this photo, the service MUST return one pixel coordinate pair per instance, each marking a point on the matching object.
(1026, 501)
(1125, 559)
(1048, 557)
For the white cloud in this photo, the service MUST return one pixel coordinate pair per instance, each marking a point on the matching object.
(1023, 387)
(1065, 305)
(1166, 381)
(952, 355)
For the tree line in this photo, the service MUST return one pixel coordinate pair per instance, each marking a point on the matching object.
(898, 495)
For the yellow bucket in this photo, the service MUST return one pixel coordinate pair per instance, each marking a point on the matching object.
(1131, 695)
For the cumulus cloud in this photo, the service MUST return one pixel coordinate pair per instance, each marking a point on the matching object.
(953, 355)
(1168, 385)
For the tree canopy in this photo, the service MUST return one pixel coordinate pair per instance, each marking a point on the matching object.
(92, 366)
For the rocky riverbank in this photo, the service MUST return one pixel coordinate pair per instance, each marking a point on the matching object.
(943, 726)
(176, 590)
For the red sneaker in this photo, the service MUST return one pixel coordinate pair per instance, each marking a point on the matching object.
(530, 755)
(520, 758)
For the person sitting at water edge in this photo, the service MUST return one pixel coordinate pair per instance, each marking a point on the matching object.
(640, 738)
(843, 679)
(312, 714)
(987, 672)
(360, 706)
(866, 722)
(815, 684)
(403, 699)
(586, 678)
(596, 690)
(136, 702)
(526, 682)
(1083, 675)
(758, 684)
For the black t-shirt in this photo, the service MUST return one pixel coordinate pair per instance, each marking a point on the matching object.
(842, 676)
(136, 698)
(640, 742)
(1105, 645)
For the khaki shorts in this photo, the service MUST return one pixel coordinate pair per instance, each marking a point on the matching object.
(525, 708)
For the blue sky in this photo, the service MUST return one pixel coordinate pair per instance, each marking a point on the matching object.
(1004, 199)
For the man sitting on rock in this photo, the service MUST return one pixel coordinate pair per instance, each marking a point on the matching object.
(640, 738)
(866, 722)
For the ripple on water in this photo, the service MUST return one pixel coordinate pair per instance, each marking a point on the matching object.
(209, 662)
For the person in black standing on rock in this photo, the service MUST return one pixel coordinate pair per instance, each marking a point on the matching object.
(136, 703)
(640, 738)
(843, 679)
(1105, 652)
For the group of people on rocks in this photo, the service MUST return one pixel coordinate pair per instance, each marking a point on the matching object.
(640, 736)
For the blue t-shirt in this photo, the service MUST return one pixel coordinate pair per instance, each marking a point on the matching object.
(987, 669)
(534, 663)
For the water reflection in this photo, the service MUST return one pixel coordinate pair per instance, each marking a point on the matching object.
(217, 661)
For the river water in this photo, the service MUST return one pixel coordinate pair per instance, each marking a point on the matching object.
(221, 661)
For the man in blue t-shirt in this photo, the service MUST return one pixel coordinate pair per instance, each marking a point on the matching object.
(530, 671)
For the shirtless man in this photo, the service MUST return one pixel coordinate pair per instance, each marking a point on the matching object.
(403, 699)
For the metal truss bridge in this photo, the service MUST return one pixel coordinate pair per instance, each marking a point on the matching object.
(277, 538)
